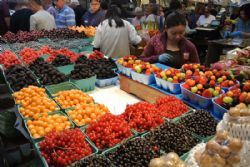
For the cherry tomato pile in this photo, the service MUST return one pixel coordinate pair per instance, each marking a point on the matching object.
(108, 131)
(170, 107)
(96, 55)
(8, 58)
(29, 55)
(142, 116)
(63, 148)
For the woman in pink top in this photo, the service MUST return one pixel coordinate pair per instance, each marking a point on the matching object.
(171, 47)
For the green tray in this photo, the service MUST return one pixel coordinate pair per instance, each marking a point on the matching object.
(66, 69)
(41, 138)
(45, 164)
(54, 89)
(85, 84)
(45, 57)
(88, 40)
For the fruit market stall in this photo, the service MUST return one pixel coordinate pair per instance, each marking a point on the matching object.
(79, 109)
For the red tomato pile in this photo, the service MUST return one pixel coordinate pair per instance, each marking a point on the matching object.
(63, 148)
(108, 131)
(170, 107)
(29, 55)
(8, 58)
(142, 116)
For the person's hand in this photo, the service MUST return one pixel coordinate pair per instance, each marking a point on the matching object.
(165, 58)
(236, 34)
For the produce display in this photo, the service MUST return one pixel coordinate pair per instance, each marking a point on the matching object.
(142, 116)
(241, 110)
(170, 107)
(93, 161)
(108, 131)
(134, 153)
(128, 61)
(46, 72)
(202, 87)
(172, 137)
(172, 75)
(29, 55)
(96, 55)
(145, 68)
(81, 71)
(22, 36)
(89, 31)
(62, 33)
(222, 151)
(168, 160)
(192, 69)
(61, 149)
(61, 60)
(200, 122)
(243, 57)
(72, 98)
(20, 77)
(85, 114)
(8, 58)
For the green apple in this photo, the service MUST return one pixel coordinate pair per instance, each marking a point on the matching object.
(211, 90)
(227, 99)
(138, 69)
(183, 75)
(164, 78)
(163, 74)
(194, 89)
(219, 80)
(170, 79)
(216, 93)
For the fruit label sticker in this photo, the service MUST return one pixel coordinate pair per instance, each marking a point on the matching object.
(186, 56)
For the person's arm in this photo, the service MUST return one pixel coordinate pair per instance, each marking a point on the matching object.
(32, 23)
(148, 54)
(246, 34)
(97, 38)
(133, 36)
(70, 18)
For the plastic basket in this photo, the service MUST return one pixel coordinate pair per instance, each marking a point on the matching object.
(53, 89)
(174, 88)
(66, 69)
(41, 138)
(226, 89)
(218, 110)
(124, 70)
(88, 40)
(85, 84)
(143, 78)
(107, 82)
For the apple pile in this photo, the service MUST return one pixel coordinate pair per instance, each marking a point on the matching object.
(29, 55)
(8, 58)
(128, 61)
(202, 87)
(145, 68)
(172, 75)
(192, 69)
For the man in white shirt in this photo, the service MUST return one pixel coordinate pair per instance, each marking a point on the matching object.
(206, 19)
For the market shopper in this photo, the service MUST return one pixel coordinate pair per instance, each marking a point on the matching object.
(4, 17)
(65, 16)
(137, 20)
(205, 19)
(41, 20)
(49, 6)
(114, 34)
(95, 15)
(20, 20)
(151, 15)
(79, 11)
(171, 47)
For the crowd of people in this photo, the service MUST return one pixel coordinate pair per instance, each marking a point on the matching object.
(115, 32)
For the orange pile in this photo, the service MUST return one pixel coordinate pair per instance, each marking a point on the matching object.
(89, 31)
(40, 126)
(72, 98)
(85, 114)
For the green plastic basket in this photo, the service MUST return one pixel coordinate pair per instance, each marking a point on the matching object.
(54, 89)
(45, 57)
(85, 84)
(66, 69)
(88, 40)
(41, 138)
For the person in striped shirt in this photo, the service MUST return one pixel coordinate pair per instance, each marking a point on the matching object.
(65, 16)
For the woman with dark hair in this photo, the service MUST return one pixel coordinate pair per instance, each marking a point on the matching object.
(114, 34)
(171, 47)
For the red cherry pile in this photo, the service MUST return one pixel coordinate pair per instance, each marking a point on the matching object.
(96, 55)
(108, 131)
(142, 116)
(170, 107)
(29, 55)
(8, 58)
(63, 148)
(23, 36)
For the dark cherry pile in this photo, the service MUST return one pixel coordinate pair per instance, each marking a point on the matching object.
(63, 148)
(200, 122)
(47, 73)
(22, 36)
(108, 131)
(19, 77)
(172, 137)
(142, 116)
(81, 71)
(61, 60)
(103, 68)
(93, 161)
(170, 107)
(64, 33)
(134, 153)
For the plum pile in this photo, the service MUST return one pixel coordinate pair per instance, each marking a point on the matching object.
(81, 71)
(200, 122)
(172, 137)
(134, 153)
(47, 73)
(19, 77)
(93, 161)
(103, 68)
(61, 60)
